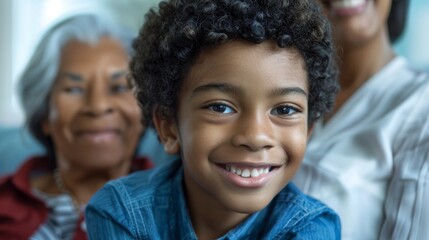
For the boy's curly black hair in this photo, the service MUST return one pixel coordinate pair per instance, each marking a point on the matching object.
(172, 37)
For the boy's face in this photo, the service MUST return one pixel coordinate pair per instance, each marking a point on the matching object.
(242, 125)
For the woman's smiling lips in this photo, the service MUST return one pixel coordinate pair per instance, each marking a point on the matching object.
(248, 175)
(99, 136)
(346, 7)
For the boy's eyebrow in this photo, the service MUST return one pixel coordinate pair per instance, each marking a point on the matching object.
(288, 91)
(224, 87)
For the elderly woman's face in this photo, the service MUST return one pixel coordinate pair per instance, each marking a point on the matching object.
(94, 119)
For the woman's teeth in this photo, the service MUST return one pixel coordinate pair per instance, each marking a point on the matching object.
(347, 3)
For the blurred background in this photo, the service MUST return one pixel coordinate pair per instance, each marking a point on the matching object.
(23, 21)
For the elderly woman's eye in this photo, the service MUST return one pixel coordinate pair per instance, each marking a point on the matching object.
(120, 88)
(74, 90)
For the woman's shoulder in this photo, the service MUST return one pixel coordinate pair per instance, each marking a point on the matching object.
(413, 131)
(19, 180)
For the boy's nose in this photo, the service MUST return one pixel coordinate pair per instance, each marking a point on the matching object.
(254, 133)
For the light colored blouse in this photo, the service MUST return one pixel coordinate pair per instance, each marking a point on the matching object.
(370, 162)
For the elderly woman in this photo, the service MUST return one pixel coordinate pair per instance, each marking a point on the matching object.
(79, 105)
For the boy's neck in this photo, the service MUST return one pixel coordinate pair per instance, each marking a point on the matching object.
(206, 229)
(209, 219)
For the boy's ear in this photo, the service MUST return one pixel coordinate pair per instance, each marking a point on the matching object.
(310, 130)
(167, 132)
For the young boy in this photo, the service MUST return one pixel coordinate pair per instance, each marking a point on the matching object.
(231, 86)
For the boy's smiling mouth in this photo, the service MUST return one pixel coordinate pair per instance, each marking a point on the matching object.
(248, 176)
(247, 171)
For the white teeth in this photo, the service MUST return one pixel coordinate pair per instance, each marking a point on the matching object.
(247, 172)
(254, 173)
(347, 3)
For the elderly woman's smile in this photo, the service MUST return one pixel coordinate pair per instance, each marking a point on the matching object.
(92, 109)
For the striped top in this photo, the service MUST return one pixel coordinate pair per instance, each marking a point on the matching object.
(62, 218)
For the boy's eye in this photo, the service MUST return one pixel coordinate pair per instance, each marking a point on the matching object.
(120, 88)
(284, 110)
(220, 108)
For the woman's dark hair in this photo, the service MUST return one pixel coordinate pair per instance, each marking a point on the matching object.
(173, 36)
(397, 19)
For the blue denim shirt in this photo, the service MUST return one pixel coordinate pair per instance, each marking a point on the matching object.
(152, 205)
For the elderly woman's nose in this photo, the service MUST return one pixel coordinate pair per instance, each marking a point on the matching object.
(98, 100)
